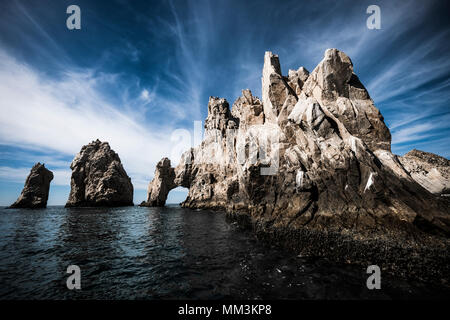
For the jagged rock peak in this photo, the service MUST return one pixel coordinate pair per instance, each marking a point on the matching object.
(248, 110)
(334, 72)
(297, 79)
(98, 178)
(271, 64)
(276, 93)
(219, 115)
(35, 191)
(337, 88)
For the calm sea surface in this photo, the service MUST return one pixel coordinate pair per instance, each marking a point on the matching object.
(166, 253)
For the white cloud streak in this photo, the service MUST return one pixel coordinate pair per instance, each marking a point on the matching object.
(44, 114)
(421, 130)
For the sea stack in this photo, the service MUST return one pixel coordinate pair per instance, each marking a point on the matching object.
(310, 165)
(35, 191)
(98, 178)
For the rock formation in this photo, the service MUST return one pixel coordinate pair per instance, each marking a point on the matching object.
(313, 157)
(162, 183)
(35, 191)
(429, 170)
(98, 178)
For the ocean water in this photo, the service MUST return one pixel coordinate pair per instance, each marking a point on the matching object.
(167, 253)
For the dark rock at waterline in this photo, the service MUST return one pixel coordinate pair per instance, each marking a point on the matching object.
(35, 191)
(98, 178)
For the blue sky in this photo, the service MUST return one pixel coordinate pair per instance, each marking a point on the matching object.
(139, 70)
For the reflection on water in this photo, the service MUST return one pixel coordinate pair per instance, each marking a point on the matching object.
(165, 253)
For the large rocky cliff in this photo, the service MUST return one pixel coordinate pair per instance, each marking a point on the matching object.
(98, 178)
(313, 155)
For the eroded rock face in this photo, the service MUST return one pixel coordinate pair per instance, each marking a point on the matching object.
(297, 79)
(248, 110)
(98, 178)
(219, 116)
(336, 87)
(275, 89)
(429, 170)
(35, 191)
(162, 183)
(316, 158)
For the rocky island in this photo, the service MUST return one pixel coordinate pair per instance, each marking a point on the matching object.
(98, 178)
(310, 166)
(36, 189)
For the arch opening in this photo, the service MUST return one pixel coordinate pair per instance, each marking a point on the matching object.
(176, 196)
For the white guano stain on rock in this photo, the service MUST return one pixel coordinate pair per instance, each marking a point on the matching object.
(369, 182)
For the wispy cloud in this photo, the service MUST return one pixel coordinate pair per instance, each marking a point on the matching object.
(412, 71)
(413, 133)
(39, 113)
(421, 130)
